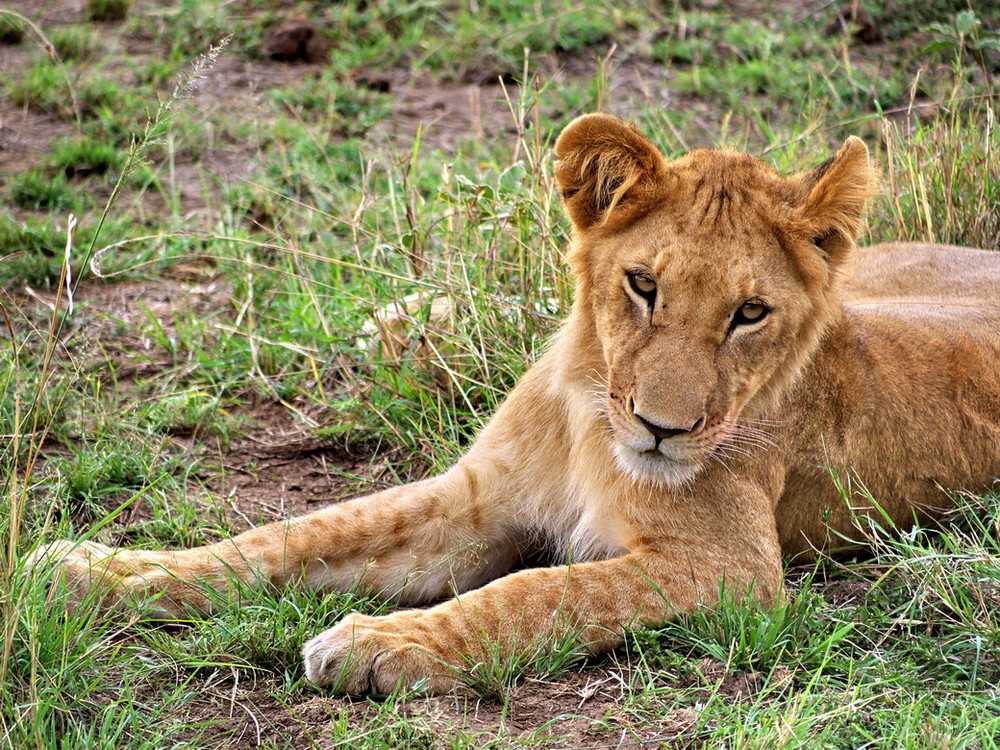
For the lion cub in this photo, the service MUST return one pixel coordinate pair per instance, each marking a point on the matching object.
(746, 352)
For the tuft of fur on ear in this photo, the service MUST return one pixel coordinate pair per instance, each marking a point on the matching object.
(602, 162)
(835, 194)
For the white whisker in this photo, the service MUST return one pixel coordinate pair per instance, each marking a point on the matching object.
(751, 440)
(732, 450)
(766, 422)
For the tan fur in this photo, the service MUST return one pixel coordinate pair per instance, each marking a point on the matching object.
(887, 380)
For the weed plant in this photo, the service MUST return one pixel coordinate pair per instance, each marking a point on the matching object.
(37, 190)
(81, 156)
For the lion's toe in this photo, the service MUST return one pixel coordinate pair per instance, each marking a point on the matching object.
(77, 568)
(368, 655)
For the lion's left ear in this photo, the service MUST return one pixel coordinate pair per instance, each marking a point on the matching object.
(605, 166)
(835, 194)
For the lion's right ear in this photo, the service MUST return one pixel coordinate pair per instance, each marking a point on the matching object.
(604, 164)
(832, 199)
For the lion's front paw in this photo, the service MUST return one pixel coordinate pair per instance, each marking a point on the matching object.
(364, 654)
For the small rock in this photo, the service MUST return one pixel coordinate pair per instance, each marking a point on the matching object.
(381, 82)
(295, 40)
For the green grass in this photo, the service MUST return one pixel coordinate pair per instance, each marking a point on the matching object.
(40, 191)
(78, 157)
(43, 86)
(282, 290)
(108, 10)
(74, 42)
(934, 169)
(915, 638)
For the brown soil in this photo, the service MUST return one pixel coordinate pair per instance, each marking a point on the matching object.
(278, 469)
(578, 711)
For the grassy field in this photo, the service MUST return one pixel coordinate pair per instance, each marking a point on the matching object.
(207, 211)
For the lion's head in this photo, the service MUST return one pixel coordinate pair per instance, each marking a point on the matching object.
(708, 280)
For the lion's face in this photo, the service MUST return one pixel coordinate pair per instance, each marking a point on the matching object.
(708, 281)
(692, 320)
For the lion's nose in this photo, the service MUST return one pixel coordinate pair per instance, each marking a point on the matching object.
(661, 432)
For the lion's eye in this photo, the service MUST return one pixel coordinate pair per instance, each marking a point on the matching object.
(642, 285)
(749, 313)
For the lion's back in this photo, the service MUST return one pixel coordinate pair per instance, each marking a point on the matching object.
(933, 282)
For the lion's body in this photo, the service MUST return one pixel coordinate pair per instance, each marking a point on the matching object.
(905, 401)
(901, 402)
(720, 397)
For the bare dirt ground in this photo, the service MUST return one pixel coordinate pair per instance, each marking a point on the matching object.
(579, 711)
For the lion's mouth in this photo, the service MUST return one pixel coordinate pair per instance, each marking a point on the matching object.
(657, 465)
(673, 460)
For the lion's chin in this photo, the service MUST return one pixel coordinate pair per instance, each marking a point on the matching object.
(655, 467)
